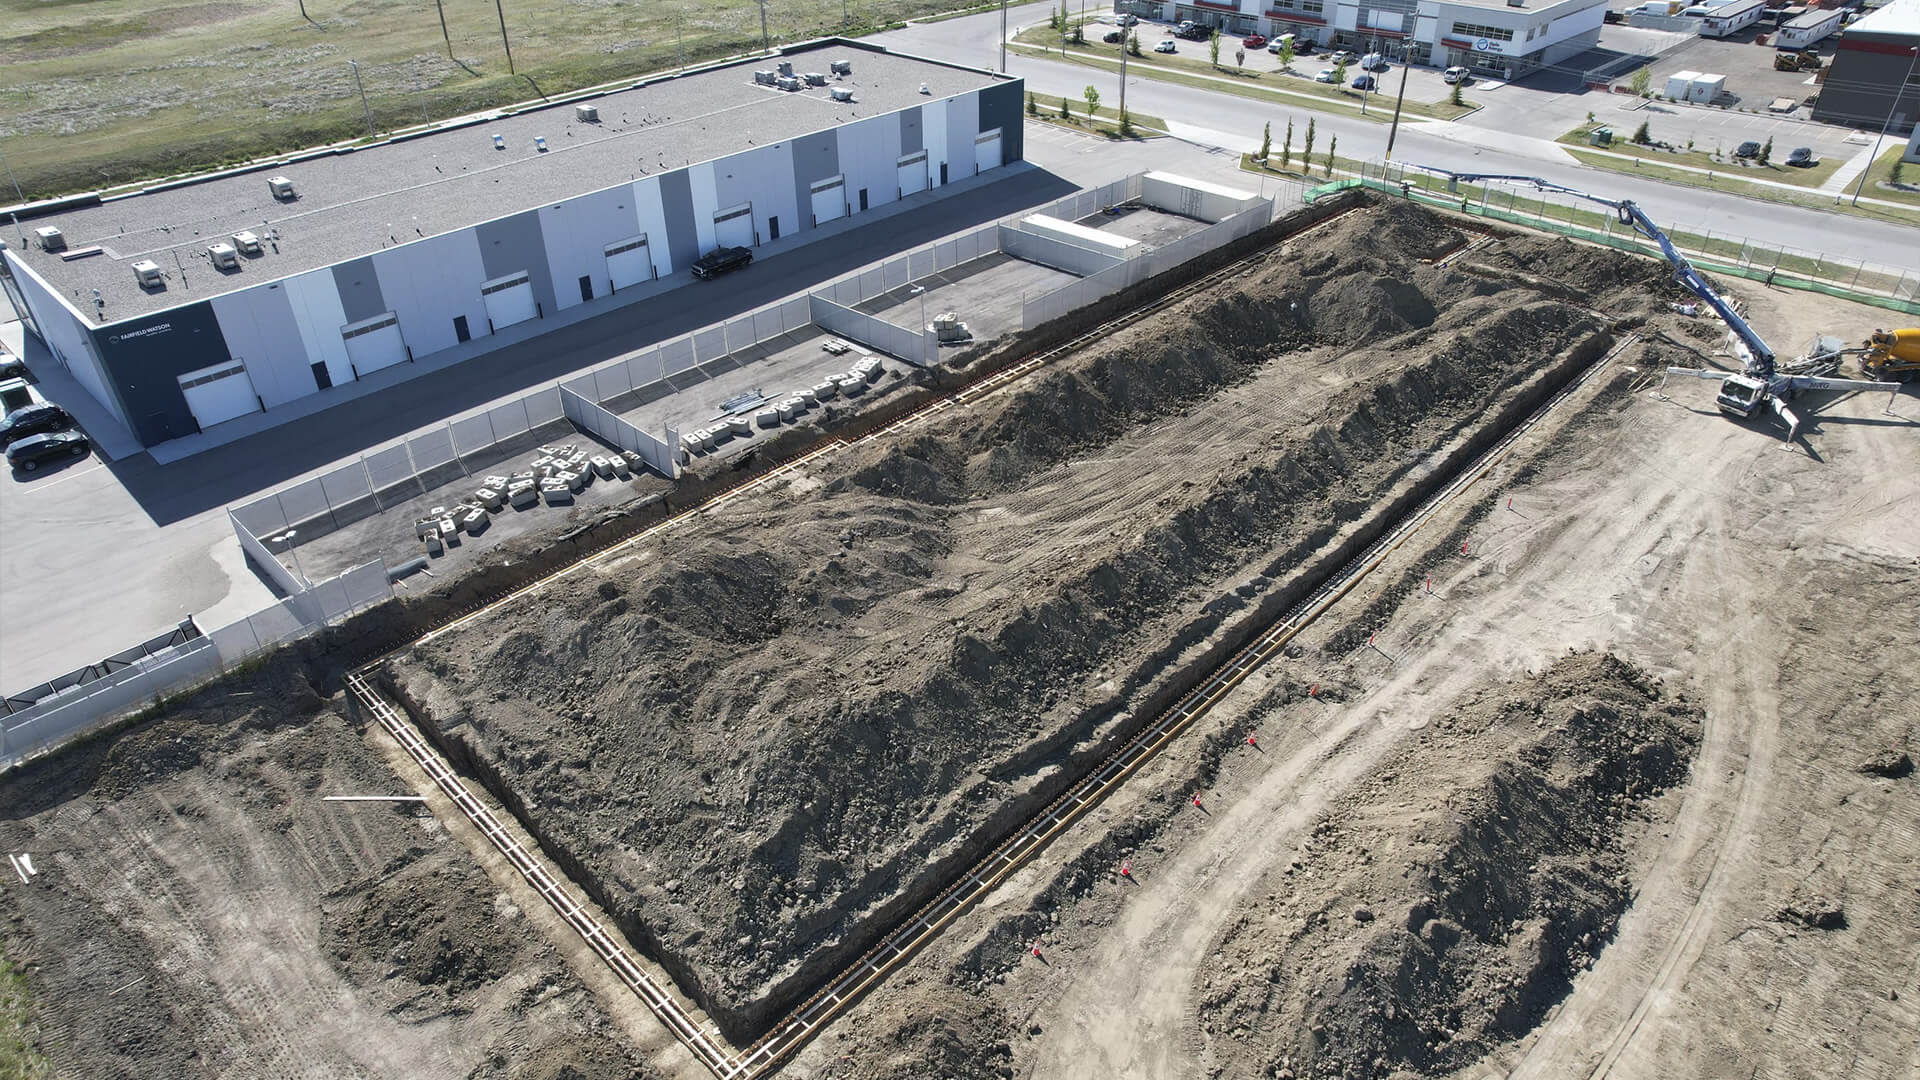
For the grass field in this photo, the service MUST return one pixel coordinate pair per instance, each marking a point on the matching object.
(100, 93)
(18, 1059)
(1776, 171)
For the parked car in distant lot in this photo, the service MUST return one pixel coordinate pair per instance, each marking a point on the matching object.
(32, 420)
(1326, 75)
(1364, 82)
(1374, 62)
(1166, 45)
(1112, 37)
(1748, 149)
(1128, 20)
(1456, 75)
(27, 454)
(18, 394)
(1801, 157)
(1343, 56)
(1254, 41)
(11, 366)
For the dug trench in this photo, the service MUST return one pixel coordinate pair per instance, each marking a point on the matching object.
(759, 748)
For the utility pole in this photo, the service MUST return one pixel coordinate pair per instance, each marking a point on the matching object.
(679, 39)
(16, 185)
(1123, 70)
(766, 41)
(1003, 37)
(502, 12)
(1897, 95)
(1394, 128)
(443, 27)
(355, 64)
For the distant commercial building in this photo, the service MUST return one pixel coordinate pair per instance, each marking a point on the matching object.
(191, 304)
(1874, 71)
(1497, 38)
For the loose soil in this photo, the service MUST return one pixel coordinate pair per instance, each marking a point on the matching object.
(200, 911)
(758, 746)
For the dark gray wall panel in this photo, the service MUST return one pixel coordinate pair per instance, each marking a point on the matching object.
(1000, 107)
(815, 157)
(676, 200)
(912, 139)
(513, 244)
(145, 358)
(359, 289)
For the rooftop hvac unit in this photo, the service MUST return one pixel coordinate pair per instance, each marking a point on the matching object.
(147, 273)
(764, 78)
(499, 142)
(51, 239)
(814, 78)
(840, 93)
(540, 143)
(786, 68)
(224, 257)
(282, 187)
(587, 114)
(247, 242)
(841, 67)
(924, 90)
(788, 82)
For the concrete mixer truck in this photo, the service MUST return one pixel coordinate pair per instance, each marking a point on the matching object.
(1892, 355)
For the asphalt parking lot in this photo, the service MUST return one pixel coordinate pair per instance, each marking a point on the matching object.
(1748, 68)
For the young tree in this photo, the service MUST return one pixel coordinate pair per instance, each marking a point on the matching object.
(1240, 58)
(1454, 98)
(1286, 148)
(1306, 155)
(1641, 82)
(1126, 124)
(1033, 107)
(1133, 44)
(1286, 56)
(1340, 72)
(1643, 136)
(1766, 150)
(1092, 94)
(1213, 48)
(1066, 109)
(1332, 145)
(1053, 17)
(1266, 141)
(1079, 35)
(1893, 174)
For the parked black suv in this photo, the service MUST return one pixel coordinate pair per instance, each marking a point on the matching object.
(27, 453)
(11, 366)
(33, 419)
(720, 260)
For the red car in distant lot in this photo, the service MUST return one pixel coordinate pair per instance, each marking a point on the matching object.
(1254, 41)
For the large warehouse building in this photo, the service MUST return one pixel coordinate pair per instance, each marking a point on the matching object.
(1874, 78)
(189, 305)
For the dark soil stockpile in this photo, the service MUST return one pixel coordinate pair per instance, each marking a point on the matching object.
(200, 911)
(758, 746)
(1445, 905)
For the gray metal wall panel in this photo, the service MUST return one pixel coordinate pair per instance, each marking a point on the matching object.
(912, 138)
(815, 157)
(513, 244)
(359, 287)
(145, 357)
(676, 196)
(1000, 107)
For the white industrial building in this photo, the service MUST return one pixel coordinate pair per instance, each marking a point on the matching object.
(1498, 38)
(191, 304)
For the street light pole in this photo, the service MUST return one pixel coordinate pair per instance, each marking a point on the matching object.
(1123, 73)
(443, 27)
(1393, 129)
(16, 181)
(355, 64)
(921, 292)
(1003, 37)
(766, 41)
(502, 12)
(1897, 95)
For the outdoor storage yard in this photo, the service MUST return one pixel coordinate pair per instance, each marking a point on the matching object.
(1602, 771)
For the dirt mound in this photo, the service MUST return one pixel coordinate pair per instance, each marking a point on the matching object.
(1613, 280)
(1496, 891)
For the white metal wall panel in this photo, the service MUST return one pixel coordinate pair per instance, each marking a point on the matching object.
(829, 199)
(575, 234)
(653, 221)
(317, 311)
(911, 173)
(986, 151)
(706, 203)
(509, 300)
(762, 176)
(66, 335)
(963, 123)
(427, 283)
(219, 393)
(260, 330)
(629, 262)
(869, 154)
(933, 132)
(733, 227)
(373, 344)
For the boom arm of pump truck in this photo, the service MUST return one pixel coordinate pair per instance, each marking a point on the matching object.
(1760, 357)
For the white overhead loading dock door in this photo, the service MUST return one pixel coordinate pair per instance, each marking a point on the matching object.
(733, 227)
(913, 173)
(986, 150)
(374, 343)
(219, 393)
(629, 262)
(829, 199)
(509, 300)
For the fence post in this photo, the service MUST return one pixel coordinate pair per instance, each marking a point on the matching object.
(367, 471)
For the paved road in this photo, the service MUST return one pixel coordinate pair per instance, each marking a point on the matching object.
(1236, 122)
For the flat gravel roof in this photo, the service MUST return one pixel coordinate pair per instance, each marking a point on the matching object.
(354, 203)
